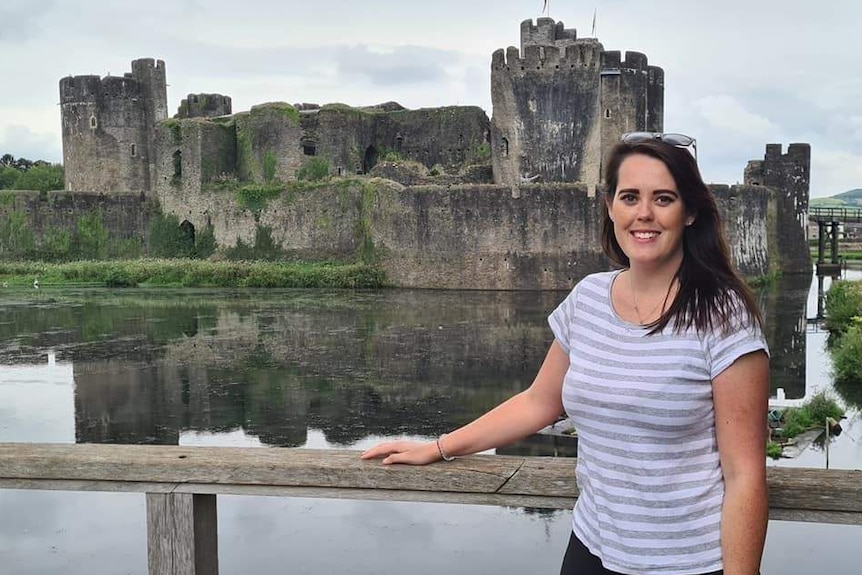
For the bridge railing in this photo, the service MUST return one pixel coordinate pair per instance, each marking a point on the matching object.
(181, 485)
(835, 214)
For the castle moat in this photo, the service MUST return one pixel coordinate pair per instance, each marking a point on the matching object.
(318, 369)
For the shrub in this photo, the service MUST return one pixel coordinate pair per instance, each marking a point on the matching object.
(313, 170)
(843, 303)
(847, 356)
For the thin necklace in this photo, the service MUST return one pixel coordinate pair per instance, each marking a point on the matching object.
(642, 318)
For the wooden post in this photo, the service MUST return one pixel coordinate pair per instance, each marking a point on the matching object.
(821, 241)
(182, 534)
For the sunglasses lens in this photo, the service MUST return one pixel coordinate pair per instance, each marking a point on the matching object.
(677, 140)
(635, 137)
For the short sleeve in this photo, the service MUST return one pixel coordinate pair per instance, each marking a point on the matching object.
(724, 348)
(561, 318)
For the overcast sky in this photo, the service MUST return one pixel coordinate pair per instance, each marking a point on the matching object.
(739, 73)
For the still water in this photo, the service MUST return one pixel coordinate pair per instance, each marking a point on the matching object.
(324, 370)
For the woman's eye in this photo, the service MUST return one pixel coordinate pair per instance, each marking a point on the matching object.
(664, 200)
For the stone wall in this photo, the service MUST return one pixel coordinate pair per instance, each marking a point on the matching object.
(124, 216)
(459, 237)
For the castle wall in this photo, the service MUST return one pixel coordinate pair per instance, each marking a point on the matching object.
(463, 237)
(124, 216)
(193, 153)
(269, 133)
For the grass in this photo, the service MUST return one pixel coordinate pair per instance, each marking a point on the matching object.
(192, 273)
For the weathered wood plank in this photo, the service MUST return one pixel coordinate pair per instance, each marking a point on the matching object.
(247, 466)
(182, 535)
(795, 494)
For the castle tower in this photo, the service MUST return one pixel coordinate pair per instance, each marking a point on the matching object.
(561, 101)
(108, 126)
(790, 176)
(205, 106)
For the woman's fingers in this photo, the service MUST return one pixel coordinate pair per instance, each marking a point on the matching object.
(409, 452)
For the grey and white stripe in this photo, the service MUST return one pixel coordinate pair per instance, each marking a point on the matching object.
(648, 467)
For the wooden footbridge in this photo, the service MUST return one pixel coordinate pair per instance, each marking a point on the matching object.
(829, 222)
(181, 485)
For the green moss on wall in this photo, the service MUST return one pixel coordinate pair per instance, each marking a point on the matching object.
(283, 108)
(175, 127)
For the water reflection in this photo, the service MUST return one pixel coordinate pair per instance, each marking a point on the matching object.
(149, 366)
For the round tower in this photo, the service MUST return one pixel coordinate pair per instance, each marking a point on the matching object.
(107, 126)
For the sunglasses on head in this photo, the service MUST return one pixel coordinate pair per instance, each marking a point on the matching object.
(676, 140)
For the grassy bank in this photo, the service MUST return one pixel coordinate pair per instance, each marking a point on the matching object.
(192, 273)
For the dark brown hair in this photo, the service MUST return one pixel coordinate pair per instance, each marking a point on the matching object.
(711, 293)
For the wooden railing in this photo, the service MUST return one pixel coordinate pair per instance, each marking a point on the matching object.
(835, 214)
(181, 484)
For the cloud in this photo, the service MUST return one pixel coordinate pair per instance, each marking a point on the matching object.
(834, 171)
(729, 115)
(395, 66)
(20, 19)
(22, 142)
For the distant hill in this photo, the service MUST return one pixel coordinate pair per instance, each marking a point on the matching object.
(851, 198)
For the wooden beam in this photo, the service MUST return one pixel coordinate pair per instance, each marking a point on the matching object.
(826, 496)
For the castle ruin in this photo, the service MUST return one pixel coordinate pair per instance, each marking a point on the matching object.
(512, 200)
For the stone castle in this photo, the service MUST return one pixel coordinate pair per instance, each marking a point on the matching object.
(559, 102)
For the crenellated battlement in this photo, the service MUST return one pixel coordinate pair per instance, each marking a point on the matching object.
(584, 53)
(546, 32)
(205, 106)
(74, 89)
(635, 61)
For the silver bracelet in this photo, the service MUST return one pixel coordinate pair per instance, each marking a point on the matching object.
(443, 456)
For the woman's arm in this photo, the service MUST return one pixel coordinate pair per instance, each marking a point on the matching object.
(740, 394)
(525, 413)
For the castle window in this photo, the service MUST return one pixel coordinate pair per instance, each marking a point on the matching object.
(93, 123)
(504, 147)
(134, 150)
(399, 140)
(178, 165)
(309, 148)
(607, 113)
(195, 99)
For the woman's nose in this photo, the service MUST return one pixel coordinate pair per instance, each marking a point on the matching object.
(644, 211)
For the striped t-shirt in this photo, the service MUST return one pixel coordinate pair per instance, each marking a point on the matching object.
(648, 472)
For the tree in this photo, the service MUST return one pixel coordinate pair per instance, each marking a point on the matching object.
(7, 161)
(8, 177)
(43, 178)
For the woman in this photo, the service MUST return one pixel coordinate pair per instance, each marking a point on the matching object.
(663, 369)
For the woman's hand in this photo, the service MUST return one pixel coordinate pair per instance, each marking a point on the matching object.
(409, 452)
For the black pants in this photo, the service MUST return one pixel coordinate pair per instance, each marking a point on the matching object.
(579, 561)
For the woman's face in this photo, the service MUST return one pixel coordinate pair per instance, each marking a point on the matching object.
(648, 213)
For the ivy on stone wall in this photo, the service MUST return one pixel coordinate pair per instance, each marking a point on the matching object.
(263, 248)
(89, 241)
(169, 239)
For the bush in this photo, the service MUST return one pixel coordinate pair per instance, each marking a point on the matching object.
(843, 303)
(812, 414)
(847, 356)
